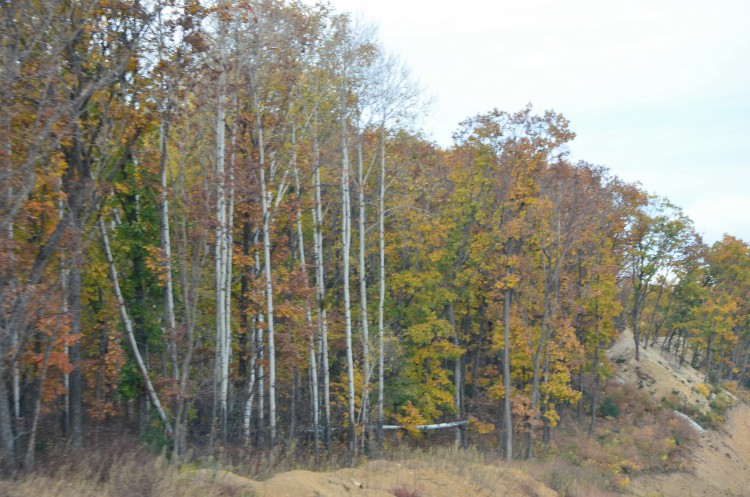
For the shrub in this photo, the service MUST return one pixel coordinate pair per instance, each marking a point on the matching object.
(721, 403)
(703, 389)
(609, 408)
(562, 482)
(402, 491)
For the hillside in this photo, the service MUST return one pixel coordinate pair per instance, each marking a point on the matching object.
(721, 460)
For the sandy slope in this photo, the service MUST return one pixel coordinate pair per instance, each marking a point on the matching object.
(721, 462)
(381, 478)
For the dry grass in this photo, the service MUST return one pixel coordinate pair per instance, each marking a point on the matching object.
(488, 472)
(571, 481)
(260, 463)
(403, 491)
(122, 469)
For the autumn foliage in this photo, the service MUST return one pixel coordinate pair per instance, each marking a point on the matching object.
(251, 164)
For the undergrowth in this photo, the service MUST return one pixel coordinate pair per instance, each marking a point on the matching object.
(643, 438)
(720, 398)
(634, 436)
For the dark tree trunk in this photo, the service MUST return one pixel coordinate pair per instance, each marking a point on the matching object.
(8, 457)
(75, 391)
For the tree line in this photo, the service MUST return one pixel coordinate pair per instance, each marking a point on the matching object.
(221, 225)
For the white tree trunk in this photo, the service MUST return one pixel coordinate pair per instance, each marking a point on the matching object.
(308, 312)
(261, 374)
(365, 417)
(227, 280)
(191, 255)
(317, 215)
(166, 246)
(247, 418)
(381, 288)
(265, 200)
(346, 235)
(220, 261)
(129, 329)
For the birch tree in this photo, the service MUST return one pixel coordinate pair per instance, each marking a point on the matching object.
(129, 330)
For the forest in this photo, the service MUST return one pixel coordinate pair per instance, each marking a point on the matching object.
(221, 226)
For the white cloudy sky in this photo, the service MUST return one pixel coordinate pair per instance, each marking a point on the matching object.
(657, 90)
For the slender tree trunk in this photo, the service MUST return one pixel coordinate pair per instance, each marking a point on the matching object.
(457, 377)
(295, 402)
(260, 347)
(7, 437)
(652, 329)
(222, 345)
(269, 305)
(244, 331)
(247, 359)
(247, 418)
(16, 375)
(75, 390)
(365, 417)
(709, 352)
(317, 214)
(31, 447)
(254, 383)
(315, 402)
(79, 170)
(166, 246)
(8, 453)
(170, 330)
(478, 347)
(228, 250)
(507, 414)
(534, 416)
(638, 300)
(65, 308)
(685, 346)
(192, 255)
(579, 404)
(346, 234)
(536, 375)
(597, 382)
(129, 330)
(381, 290)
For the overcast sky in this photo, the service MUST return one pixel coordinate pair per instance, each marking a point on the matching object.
(656, 90)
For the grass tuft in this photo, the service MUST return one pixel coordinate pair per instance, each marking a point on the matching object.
(402, 491)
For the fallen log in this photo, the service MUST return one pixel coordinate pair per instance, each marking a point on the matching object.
(438, 426)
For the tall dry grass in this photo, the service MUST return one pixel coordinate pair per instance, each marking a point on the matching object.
(118, 469)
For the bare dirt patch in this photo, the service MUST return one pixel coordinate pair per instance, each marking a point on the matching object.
(379, 478)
